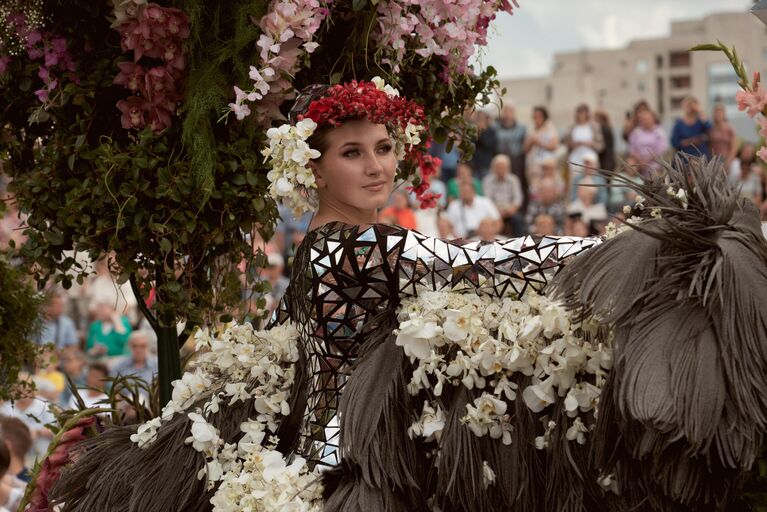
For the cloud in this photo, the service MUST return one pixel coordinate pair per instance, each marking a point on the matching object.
(524, 44)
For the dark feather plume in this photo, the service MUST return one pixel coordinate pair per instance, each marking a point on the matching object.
(683, 415)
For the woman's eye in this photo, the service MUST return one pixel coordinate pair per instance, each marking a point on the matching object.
(351, 153)
(385, 149)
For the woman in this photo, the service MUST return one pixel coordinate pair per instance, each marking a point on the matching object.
(541, 144)
(352, 407)
(690, 135)
(722, 134)
(584, 137)
(647, 142)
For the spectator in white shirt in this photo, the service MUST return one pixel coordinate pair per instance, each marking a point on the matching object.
(504, 189)
(469, 210)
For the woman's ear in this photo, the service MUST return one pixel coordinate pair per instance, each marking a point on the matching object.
(318, 179)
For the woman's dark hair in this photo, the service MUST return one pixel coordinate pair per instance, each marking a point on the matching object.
(17, 433)
(602, 118)
(741, 150)
(543, 111)
(5, 456)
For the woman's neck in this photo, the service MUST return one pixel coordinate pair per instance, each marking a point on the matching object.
(329, 213)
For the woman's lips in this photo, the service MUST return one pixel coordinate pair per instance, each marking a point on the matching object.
(375, 187)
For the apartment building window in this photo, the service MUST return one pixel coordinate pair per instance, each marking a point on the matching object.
(641, 66)
(679, 59)
(641, 86)
(676, 102)
(681, 82)
(659, 61)
(723, 85)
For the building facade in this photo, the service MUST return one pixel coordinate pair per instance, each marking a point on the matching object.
(660, 71)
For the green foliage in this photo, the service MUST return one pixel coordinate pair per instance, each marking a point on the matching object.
(176, 210)
(223, 46)
(19, 312)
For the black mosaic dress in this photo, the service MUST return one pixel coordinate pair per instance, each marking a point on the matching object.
(345, 276)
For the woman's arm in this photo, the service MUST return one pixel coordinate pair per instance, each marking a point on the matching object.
(502, 268)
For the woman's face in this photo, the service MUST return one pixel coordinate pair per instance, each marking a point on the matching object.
(538, 118)
(645, 118)
(358, 166)
(582, 116)
(720, 115)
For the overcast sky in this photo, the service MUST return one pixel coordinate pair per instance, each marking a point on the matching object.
(523, 44)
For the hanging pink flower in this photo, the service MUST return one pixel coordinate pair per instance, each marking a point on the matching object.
(158, 81)
(134, 110)
(173, 55)
(131, 76)
(159, 118)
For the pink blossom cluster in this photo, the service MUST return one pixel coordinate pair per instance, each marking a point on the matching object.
(450, 29)
(55, 61)
(287, 32)
(156, 35)
(753, 101)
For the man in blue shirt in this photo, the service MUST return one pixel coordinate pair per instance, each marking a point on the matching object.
(139, 363)
(690, 133)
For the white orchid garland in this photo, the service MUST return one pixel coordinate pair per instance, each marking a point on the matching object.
(291, 179)
(479, 342)
(238, 365)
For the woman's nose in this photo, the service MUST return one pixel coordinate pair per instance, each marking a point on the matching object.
(373, 164)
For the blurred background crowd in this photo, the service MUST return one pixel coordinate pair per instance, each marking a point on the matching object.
(527, 177)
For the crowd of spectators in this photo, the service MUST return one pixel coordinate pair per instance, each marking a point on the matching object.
(522, 179)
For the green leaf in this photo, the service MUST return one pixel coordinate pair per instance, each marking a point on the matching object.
(706, 48)
(71, 162)
(165, 245)
(358, 5)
